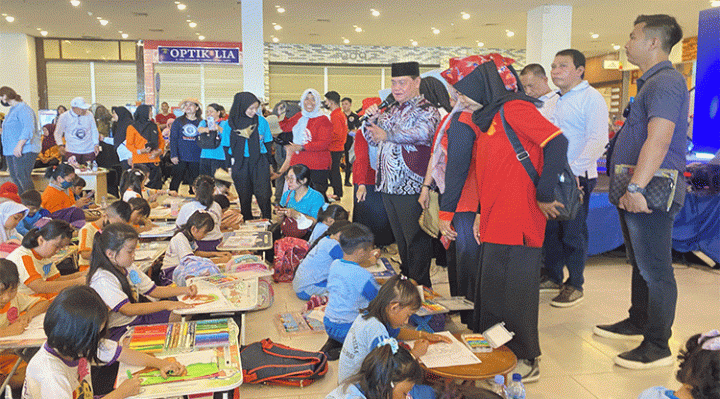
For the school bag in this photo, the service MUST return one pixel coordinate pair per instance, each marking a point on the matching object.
(289, 252)
(193, 266)
(266, 362)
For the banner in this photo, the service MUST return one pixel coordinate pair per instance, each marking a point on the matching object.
(210, 55)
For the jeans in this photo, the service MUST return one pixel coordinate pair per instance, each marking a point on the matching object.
(566, 242)
(20, 170)
(467, 253)
(653, 296)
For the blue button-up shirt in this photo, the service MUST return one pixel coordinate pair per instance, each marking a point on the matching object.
(20, 124)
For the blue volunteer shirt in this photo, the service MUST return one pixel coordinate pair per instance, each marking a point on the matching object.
(217, 153)
(309, 204)
(350, 289)
(364, 335)
(314, 269)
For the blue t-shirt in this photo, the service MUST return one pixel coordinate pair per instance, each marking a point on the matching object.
(309, 204)
(28, 222)
(265, 136)
(318, 230)
(315, 267)
(346, 392)
(658, 393)
(363, 337)
(183, 140)
(217, 153)
(350, 289)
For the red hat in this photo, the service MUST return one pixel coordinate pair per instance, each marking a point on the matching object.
(10, 191)
(461, 67)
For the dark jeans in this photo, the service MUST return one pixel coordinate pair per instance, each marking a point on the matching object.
(371, 213)
(253, 179)
(184, 172)
(335, 176)
(210, 166)
(566, 243)
(653, 296)
(319, 181)
(509, 291)
(467, 254)
(414, 245)
(20, 170)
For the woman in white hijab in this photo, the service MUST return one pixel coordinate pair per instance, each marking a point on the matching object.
(11, 213)
(312, 132)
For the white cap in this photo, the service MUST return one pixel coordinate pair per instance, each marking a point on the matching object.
(79, 102)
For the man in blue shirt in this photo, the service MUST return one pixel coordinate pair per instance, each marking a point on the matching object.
(653, 137)
(535, 83)
(582, 114)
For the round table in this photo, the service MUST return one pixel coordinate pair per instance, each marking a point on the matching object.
(500, 361)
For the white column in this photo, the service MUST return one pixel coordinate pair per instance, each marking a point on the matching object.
(253, 47)
(19, 70)
(549, 30)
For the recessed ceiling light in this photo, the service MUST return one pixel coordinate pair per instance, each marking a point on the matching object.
(181, 6)
(346, 41)
(192, 24)
(188, 20)
(103, 22)
(374, 12)
(357, 29)
(43, 32)
(465, 15)
(616, 47)
(414, 43)
(125, 35)
(98, 18)
(75, 3)
(435, 31)
(275, 39)
(201, 37)
(594, 35)
(277, 27)
(480, 44)
(280, 9)
(139, 43)
(509, 33)
(715, 3)
(9, 18)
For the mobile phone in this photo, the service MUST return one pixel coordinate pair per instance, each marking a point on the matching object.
(90, 194)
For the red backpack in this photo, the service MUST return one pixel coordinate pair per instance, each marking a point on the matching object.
(289, 252)
(266, 362)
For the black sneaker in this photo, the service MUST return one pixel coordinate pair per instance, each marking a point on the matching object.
(645, 356)
(620, 330)
(332, 349)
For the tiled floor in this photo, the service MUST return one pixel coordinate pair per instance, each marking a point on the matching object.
(575, 364)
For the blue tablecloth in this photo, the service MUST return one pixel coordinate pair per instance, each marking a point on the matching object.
(603, 225)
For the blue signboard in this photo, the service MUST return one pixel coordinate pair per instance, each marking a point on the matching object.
(211, 55)
(706, 121)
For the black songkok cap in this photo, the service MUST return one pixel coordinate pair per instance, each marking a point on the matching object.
(405, 69)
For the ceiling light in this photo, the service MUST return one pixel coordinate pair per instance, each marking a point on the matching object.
(43, 32)
(435, 31)
(139, 43)
(181, 6)
(480, 44)
(374, 12)
(414, 43)
(275, 39)
(715, 3)
(594, 35)
(103, 22)
(192, 24)
(277, 27)
(357, 29)
(125, 35)
(465, 15)
(9, 18)
(616, 47)
(280, 9)
(509, 33)
(201, 37)
(346, 41)
(98, 18)
(75, 3)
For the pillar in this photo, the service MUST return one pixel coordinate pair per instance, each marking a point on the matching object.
(548, 31)
(19, 70)
(253, 47)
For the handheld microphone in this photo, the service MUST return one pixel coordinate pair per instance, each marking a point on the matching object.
(385, 104)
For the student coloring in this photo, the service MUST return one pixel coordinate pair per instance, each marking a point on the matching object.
(312, 273)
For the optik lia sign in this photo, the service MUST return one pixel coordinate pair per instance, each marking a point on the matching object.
(209, 55)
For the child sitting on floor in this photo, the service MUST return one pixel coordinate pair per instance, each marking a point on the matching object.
(231, 218)
(117, 212)
(33, 201)
(326, 218)
(11, 214)
(312, 273)
(140, 214)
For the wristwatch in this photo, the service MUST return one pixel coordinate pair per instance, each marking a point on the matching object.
(634, 188)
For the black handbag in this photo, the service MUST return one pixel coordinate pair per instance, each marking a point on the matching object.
(566, 190)
(209, 141)
(659, 192)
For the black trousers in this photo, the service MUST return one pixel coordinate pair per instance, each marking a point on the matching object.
(209, 166)
(508, 291)
(414, 245)
(335, 176)
(348, 165)
(371, 213)
(184, 172)
(319, 181)
(253, 179)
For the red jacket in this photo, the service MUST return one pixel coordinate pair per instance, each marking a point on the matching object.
(316, 155)
(340, 130)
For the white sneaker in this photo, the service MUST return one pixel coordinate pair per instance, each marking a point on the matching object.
(528, 369)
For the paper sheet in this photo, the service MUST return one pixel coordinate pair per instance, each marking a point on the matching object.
(207, 356)
(159, 231)
(378, 267)
(33, 331)
(444, 355)
(144, 254)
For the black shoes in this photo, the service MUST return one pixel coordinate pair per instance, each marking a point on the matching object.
(620, 330)
(645, 356)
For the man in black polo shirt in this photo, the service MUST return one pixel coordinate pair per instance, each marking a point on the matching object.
(653, 138)
(353, 123)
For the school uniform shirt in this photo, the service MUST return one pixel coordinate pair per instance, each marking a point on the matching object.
(318, 230)
(215, 211)
(364, 335)
(80, 132)
(130, 194)
(350, 289)
(346, 392)
(55, 199)
(219, 152)
(183, 140)
(32, 267)
(658, 393)
(310, 204)
(50, 376)
(315, 267)
(12, 310)
(28, 223)
(178, 248)
(85, 243)
(110, 290)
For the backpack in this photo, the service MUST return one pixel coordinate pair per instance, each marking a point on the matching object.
(193, 266)
(266, 362)
(289, 252)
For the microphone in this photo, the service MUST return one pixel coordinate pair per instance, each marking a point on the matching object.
(385, 104)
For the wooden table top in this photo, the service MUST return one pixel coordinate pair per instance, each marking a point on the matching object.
(500, 361)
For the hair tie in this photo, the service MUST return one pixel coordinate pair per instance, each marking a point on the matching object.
(389, 341)
(138, 173)
(402, 277)
(712, 340)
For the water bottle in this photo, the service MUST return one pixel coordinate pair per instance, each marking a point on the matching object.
(498, 385)
(211, 123)
(516, 389)
(94, 166)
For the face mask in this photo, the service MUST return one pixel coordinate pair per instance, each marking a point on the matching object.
(4, 104)
(66, 184)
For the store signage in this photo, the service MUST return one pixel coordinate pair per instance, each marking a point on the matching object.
(612, 64)
(210, 55)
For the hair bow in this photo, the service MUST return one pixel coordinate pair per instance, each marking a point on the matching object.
(389, 341)
(712, 340)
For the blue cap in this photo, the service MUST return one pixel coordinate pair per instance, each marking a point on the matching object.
(517, 377)
(500, 379)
